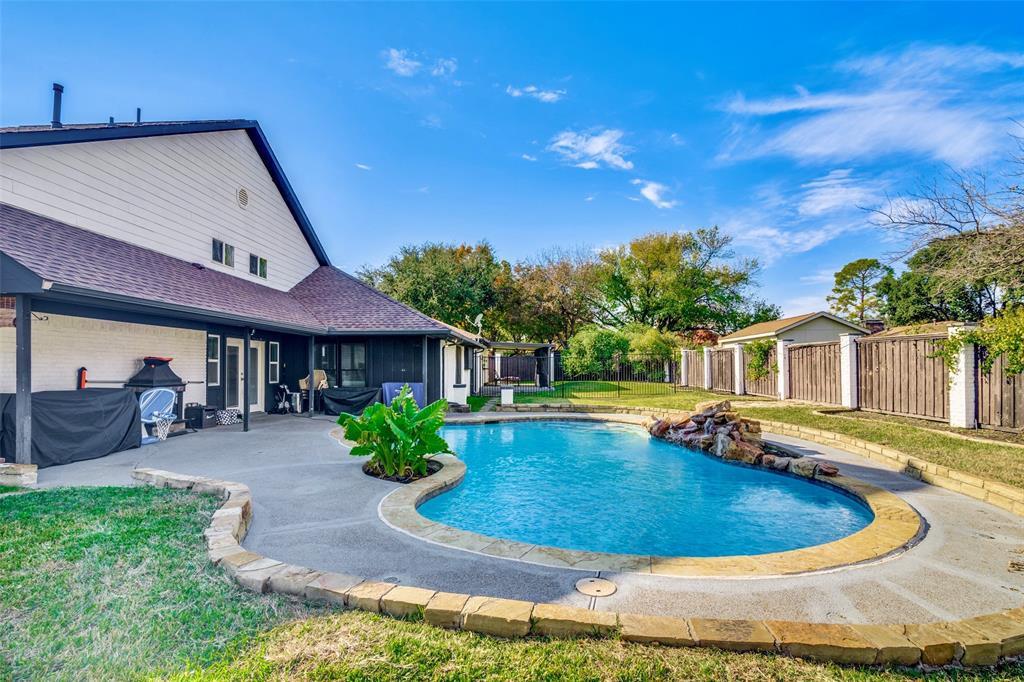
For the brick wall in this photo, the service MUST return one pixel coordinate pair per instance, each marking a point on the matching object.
(110, 350)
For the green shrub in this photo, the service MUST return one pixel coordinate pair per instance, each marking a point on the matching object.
(398, 438)
(594, 350)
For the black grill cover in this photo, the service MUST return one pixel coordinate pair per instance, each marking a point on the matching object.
(155, 372)
(348, 400)
(70, 426)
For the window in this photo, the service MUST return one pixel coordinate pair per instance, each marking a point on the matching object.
(274, 360)
(257, 266)
(213, 360)
(326, 358)
(223, 253)
(353, 364)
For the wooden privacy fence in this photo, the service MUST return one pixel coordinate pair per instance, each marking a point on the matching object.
(695, 368)
(767, 385)
(723, 370)
(814, 372)
(898, 376)
(1000, 397)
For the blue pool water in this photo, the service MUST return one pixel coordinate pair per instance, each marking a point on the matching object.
(612, 488)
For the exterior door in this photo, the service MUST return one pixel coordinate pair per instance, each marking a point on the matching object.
(234, 386)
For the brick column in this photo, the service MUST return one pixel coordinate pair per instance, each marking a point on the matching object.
(782, 361)
(684, 367)
(707, 367)
(739, 370)
(848, 370)
(963, 393)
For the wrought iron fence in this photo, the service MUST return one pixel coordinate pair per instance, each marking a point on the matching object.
(620, 376)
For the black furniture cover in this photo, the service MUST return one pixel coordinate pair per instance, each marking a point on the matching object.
(69, 426)
(348, 400)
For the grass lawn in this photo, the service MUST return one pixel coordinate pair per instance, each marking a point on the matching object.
(988, 460)
(361, 646)
(8, 489)
(629, 393)
(111, 583)
(475, 402)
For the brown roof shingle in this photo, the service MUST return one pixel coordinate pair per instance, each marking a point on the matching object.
(766, 327)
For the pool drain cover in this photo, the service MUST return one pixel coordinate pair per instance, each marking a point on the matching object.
(595, 587)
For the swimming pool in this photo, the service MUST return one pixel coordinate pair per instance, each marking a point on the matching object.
(602, 487)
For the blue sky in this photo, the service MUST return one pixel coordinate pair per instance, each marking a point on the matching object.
(535, 126)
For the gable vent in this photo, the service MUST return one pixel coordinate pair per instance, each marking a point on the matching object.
(242, 195)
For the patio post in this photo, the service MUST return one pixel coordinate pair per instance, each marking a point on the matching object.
(312, 360)
(247, 337)
(23, 379)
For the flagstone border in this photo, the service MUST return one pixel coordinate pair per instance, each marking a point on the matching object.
(896, 526)
(979, 641)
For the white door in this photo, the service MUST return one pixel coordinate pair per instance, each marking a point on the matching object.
(234, 385)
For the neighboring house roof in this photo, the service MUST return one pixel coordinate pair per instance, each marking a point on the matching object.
(36, 136)
(80, 262)
(920, 329)
(775, 327)
(347, 304)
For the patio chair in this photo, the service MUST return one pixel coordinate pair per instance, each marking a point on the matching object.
(319, 383)
(157, 406)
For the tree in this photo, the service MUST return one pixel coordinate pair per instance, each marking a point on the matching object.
(452, 283)
(978, 220)
(855, 294)
(651, 343)
(593, 350)
(678, 281)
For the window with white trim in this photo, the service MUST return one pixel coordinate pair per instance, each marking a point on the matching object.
(274, 362)
(223, 253)
(257, 266)
(213, 360)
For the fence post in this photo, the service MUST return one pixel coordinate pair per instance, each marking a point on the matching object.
(739, 370)
(782, 362)
(684, 367)
(963, 392)
(497, 365)
(551, 367)
(707, 368)
(848, 388)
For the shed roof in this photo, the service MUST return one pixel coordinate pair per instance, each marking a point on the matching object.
(773, 327)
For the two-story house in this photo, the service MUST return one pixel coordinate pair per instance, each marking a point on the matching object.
(185, 240)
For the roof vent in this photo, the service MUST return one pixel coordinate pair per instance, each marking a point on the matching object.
(242, 195)
(58, 90)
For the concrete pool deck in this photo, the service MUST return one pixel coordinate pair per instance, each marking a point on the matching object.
(314, 507)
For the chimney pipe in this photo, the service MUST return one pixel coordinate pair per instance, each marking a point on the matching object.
(138, 115)
(57, 90)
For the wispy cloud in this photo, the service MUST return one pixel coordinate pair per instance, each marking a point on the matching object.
(589, 197)
(363, 166)
(838, 190)
(527, 157)
(823, 276)
(548, 96)
(444, 67)
(655, 193)
(402, 62)
(431, 121)
(592, 149)
(927, 101)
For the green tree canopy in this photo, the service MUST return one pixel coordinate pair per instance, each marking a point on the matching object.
(594, 349)
(452, 283)
(674, 281)
(855, 294)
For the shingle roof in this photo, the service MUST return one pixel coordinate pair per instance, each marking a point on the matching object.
(327, 300)
(345, 303)
(769, 327)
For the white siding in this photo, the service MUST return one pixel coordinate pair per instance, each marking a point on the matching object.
(173, 194)
(109, 350)
(817, 331)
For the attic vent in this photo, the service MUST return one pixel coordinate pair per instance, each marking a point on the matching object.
(243, 197)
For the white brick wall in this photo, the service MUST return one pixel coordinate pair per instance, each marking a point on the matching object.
(962, 391)
(848, 370)
(109, 350)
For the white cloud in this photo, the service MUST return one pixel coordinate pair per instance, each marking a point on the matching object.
(836, 191)
(676, 139)
(823, 276)
(588, 198)
(592, 149)
(363, 166)
(548, 96)
(927, 101)
(444, 67)
(527, 157)
(655, 193)
(402, 62)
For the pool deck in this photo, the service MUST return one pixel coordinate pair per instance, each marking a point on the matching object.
(314, 507)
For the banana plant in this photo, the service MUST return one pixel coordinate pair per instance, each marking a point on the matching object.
(400, 438)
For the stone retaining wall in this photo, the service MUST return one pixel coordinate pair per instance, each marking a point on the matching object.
(18, 475)
(998, 494)
(982, 640)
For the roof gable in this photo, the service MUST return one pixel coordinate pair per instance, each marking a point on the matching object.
(36, 136)
(773, 327)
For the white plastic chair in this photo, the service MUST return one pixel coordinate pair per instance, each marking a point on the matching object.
(157, 405)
